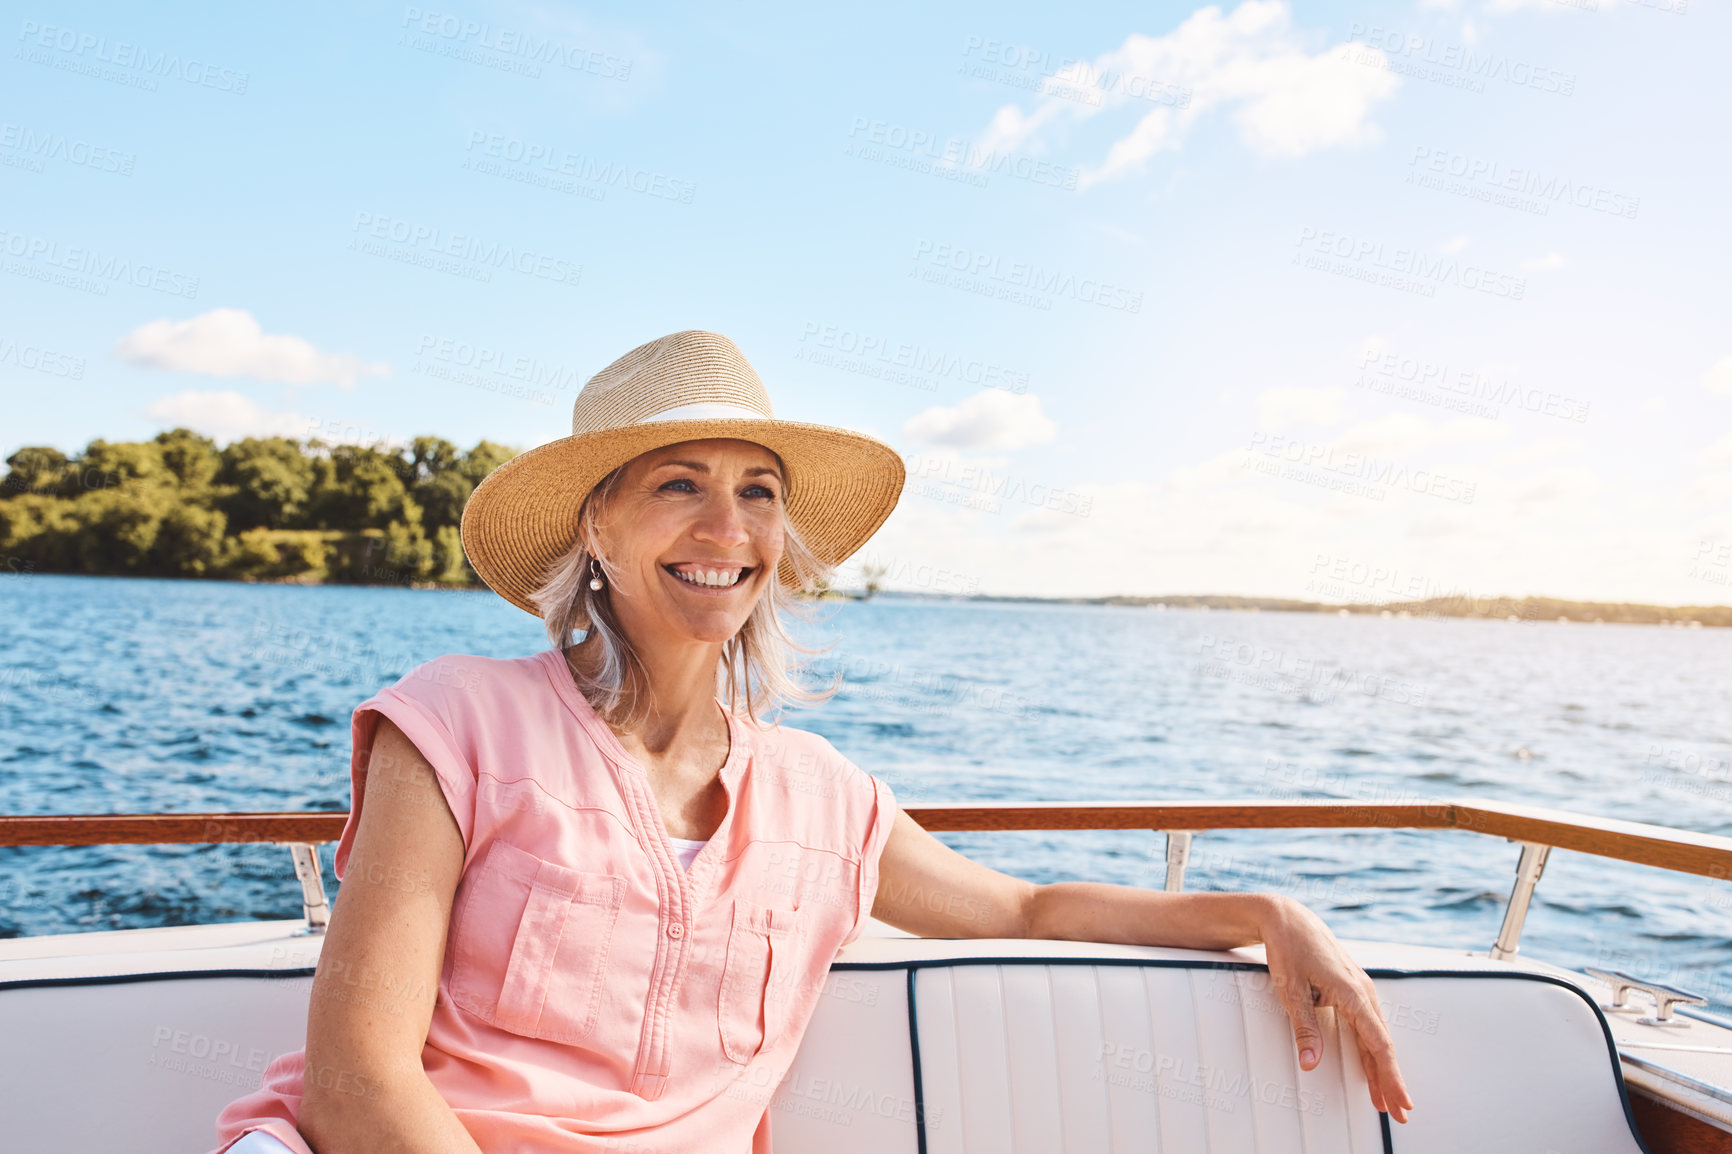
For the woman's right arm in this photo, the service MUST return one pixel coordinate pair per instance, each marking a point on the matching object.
(378, 974)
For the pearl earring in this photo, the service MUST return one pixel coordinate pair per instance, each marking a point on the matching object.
(596, 584)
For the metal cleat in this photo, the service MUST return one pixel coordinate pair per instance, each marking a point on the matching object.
(1665, 997)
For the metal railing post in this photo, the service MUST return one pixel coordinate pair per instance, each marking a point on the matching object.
(1528, 870)
(1178, 857)
(318, 910)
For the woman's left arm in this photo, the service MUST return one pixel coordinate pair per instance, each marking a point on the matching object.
(928, 889)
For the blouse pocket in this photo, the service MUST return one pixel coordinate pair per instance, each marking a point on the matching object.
(756, 977)
(530, 944)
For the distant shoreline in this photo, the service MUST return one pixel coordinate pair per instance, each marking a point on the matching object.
(1525, 609)
(1522, 609)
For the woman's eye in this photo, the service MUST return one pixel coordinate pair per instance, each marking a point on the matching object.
(759, 492)
(689, 487)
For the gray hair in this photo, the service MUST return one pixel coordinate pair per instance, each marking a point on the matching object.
(756, 675)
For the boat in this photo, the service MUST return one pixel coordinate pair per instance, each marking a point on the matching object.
(136, 1039)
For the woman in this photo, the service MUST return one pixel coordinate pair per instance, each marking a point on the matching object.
(588, 904)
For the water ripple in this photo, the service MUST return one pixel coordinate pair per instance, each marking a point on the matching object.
(138, 695)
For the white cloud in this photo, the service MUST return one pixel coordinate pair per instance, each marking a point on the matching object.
(1371, 348)
(1719, 454)
(225, 415)
(1283, 408)
(1713, 487)
(1213, 523)
(1541, 450)
(1121, 234)
(1719, 378)
(1284, 100)
(1400, 435)
(1541, 263)
(230, 343)
(1453, 244)
(1515, 5)
(991, 419)
(1563, 485)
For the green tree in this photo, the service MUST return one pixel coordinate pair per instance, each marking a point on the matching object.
(117, 528)
(260, 508)
(430, 456)
(41, 530)
(270, 482)
(190, 542)
(485, 457)
(34, 469)
(407, 554)
(873, 572)
(111, 464)
(450, 565)
(442, 499)
(193, 459)
(360, 488)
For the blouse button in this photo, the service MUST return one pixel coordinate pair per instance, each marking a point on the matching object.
(676, 931)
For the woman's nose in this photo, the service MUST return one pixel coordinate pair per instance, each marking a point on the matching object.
(720, 522)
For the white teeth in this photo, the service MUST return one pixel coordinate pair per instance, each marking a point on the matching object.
(711, 578)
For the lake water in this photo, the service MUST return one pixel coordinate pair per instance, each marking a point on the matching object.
(134, 695)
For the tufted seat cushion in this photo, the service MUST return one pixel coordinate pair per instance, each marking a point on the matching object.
(995, 1048)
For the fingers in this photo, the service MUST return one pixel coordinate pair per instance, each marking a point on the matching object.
(1310, 967)
(1371, 1036)
(1299, 1000)
(1377, 1052)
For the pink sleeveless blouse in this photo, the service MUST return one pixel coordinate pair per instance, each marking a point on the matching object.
(594, 995)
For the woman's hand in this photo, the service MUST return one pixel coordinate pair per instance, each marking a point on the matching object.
(1310, 968)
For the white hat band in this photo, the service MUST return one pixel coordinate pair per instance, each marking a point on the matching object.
(703, 411)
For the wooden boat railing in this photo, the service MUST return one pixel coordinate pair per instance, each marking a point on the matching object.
(1537, 829)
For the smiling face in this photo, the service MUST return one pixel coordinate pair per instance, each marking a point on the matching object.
(692, 535)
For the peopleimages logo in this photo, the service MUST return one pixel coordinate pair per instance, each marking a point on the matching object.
(1367, 259)
(1493, 176)
(89, 269)
(928, 363)
(1471, 64)
(87, 53)
(1372, 471)
(39, 146)
(979, 271)
(481, 358)
(1390, 372)
(556, 161)
(40, 359)
(924, 151)
(460, 253)
(1066, 77)
(516, 46)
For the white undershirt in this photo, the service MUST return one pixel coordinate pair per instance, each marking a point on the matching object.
(686, 850)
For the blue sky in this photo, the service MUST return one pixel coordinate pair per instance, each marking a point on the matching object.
(1338, 301)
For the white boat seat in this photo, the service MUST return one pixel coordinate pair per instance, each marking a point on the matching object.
(139, 1063)
(917, 1047)
(1186, 1054)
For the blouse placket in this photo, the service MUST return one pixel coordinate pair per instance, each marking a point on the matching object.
(676, 903)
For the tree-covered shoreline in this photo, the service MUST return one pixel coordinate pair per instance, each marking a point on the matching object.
(257, 509)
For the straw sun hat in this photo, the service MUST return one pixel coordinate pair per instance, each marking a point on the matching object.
(682, 387)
